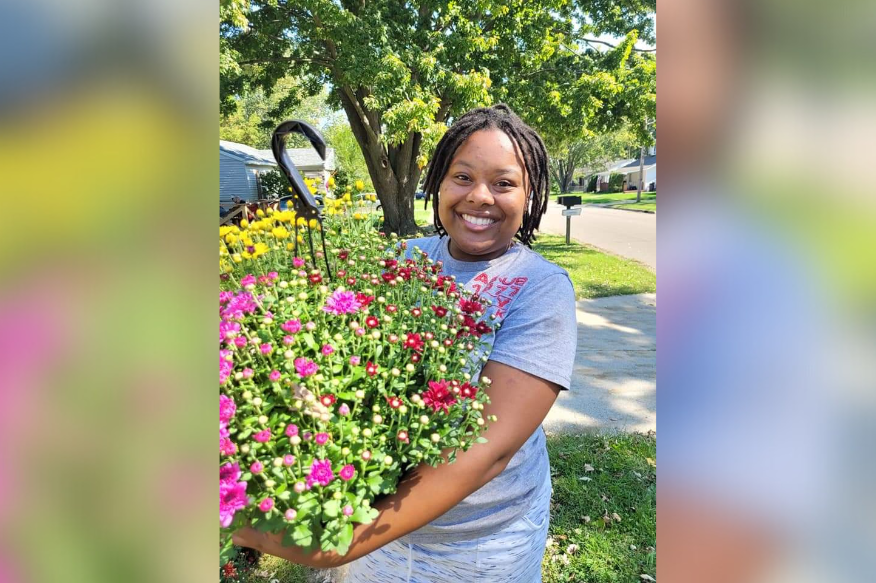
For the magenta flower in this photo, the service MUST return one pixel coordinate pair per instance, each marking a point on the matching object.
(232, 497)
(266, 348)
(355, 360)
(229, 473)
(298, 262)
(273, 275)
(288, 460)
(237, 306)
(226, 446)
(347, 472)
(227, 329)
(291, 326)
(274, 376)
(347, 510)
(327, 349)
(342, 302)
(263, 436)
(288, 340)
(310, 326)
(291, 430)
(247, 373)
(247, 280)
(344, 409)
(291, 514)
(439, 397)
(240, 341)
(227, 408)
(320, 473)
(266, 504)
(225, 297)
(225, 366)
(305, 367)
(321, 438)
(256, 467)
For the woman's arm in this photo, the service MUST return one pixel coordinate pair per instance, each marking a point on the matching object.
(520, 401)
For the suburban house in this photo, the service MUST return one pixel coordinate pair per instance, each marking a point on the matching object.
(630, 168)
(240, 167)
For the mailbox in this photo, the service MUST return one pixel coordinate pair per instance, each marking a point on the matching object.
(569, 201)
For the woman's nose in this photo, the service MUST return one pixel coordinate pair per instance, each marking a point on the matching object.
(480, 194)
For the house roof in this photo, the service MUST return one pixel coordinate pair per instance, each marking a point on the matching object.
(650, 162)
(307, 158)
(303, 158)
(614, 166)
(246, 154)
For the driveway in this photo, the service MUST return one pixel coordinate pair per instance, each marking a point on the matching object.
(626, 233)
(614, 382)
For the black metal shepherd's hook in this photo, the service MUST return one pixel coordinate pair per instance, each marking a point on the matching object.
(305, 204)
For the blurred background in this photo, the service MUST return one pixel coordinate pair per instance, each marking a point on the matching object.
(767, 331)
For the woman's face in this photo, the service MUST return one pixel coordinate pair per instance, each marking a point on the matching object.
(482, 196)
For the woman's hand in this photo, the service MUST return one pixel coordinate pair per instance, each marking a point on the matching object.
(272, 544)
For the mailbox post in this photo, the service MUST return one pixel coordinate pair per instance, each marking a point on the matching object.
(569, 212)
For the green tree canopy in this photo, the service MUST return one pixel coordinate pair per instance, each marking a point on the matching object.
(401, 70)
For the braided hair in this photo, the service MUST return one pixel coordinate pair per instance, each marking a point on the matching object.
(531, 146)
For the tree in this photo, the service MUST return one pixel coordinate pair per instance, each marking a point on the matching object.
(348, 155)
(401, 70)
(590, 155)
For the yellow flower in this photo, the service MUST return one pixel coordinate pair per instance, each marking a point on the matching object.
(301, 222)
(347, 197)
(270, 211)
(289, 203)
(331, 182)
(231, 238)
(300, 240)
(280, 233)
(260, 213)
(260, 249)
(244, 223)
(313, 223)
(237, 258)
(290, 246)
(360, 185)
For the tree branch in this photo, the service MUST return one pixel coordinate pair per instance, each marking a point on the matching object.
(602, 42)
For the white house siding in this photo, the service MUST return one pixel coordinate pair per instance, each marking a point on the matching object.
(235, 180)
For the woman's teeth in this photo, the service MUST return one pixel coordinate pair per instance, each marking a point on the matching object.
(480, 221)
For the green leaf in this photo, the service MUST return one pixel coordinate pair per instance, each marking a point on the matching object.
(344, 539)
(331, 508)
(364, 515)
(302, 535)
(481, 440)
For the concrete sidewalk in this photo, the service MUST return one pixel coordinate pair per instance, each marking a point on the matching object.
(614, 382)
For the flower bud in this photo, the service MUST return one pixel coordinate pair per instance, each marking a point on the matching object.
(424, 419)
(289, 355)
(435, 438)
(481, 422)
(366, 432)
(295, 440)
(442, 368)
(403, 409)
(291, 514)
(244, 448)
(395, 372)
(387, 460)
(299, 487)
(263, 420)
(247, 396)
(257, 401)
(337, 495)
(302, 296)
(377, 419)
(366, 455)
(270, 483)
(360, 394)
(345, 451)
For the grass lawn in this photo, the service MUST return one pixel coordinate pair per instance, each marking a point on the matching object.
(648, 207)
(596, 274)
(610, 518)
(603, 528)
(608, 197)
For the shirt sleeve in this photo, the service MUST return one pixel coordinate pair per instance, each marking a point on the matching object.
(539, 334)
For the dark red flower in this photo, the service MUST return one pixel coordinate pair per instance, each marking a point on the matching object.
(391, 308)
(482, 328)
(470, 306)
(343, 254)
(414, 341)
(439, 397)
(448, 342)
(342, 273)
(391, 264)
(364, 299)
(405, 273)
(328, 400)
(351, 281)
(371, 368)
(315, 278)
(394, 402)
(468, 391)
(440, 311)
(415, 357)
(372, 322)
(416, 312)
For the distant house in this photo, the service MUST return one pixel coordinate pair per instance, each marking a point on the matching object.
(603, 177)
(240, 167)
(631, 169)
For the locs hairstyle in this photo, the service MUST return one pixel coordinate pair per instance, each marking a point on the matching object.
(531, 146)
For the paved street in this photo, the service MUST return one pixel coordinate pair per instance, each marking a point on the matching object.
(626, 233)
(614, 384)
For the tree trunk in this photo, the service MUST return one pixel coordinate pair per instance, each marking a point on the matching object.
(641, 174)
(394, 172)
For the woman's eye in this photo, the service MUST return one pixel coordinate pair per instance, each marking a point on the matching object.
(461, 177)
(504, 184)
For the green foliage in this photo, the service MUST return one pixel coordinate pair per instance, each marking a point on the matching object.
(402, 71)
(616, 182)
(274, 184)
(591, 183)
(590, 154)
(348, 157)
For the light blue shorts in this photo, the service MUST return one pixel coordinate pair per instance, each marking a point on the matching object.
(511, 555)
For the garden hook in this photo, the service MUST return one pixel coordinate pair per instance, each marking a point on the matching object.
(305, 203)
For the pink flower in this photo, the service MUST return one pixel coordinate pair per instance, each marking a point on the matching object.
(305, 367)
(310, 326)
(240, 341)
(299, 487)
(347, 510)
(321, 438)
(256, 467)
(291, 514)
(298, 262)
(266, 348)
(327, 349)
(439, 397)
(273, 275)
(320, 473)
(263, 436)
(347, 472)
(360, 331)
(403, 436)
(226, 446)
(291, 326)
(237, 306)
(366, 455)
(248, 280)
(328, 400)
(288, 340)
(247, 373)
(225, 366)
(288, 460)
(266, 504)
(344, 409)
(274, 376)
(227, 329)
(229, 473)
(291, 430)
(355, 360)
(227, 408)
(232, 497)
(342, 302)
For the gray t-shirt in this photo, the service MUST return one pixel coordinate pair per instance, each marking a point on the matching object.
(535, 302)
